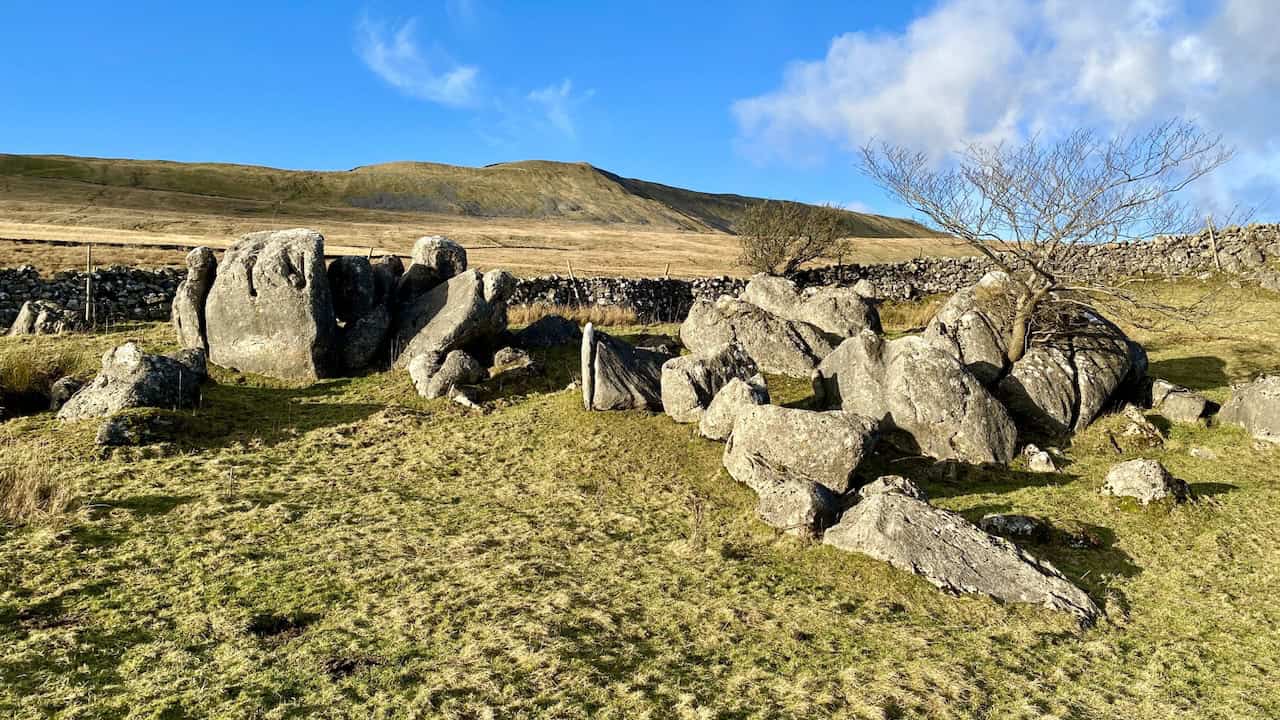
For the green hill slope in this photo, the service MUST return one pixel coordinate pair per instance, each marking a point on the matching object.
(530, 189)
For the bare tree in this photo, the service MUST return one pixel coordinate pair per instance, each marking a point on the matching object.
(1034, 209)
(777, 237)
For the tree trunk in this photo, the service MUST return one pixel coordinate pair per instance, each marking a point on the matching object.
(1021, 324)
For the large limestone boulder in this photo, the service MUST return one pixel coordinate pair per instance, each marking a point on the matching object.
(737, 396)
(826, 447)
(468, 308)
(1078, 363)
(270, 310)
(935, 405)
(132, 378)
(1145, 480)
(361, 297)
(953, 554)
(189, 299)
(776, 344)
(1255, 406)
(839, 311)
(617, 376)
(690, 382)
(435, 260)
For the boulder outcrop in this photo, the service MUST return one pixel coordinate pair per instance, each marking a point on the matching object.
(617, 376)
(131, 378)
(690, 382)
(270, 310)
(778, 345)
(826, 447)
(188, 301)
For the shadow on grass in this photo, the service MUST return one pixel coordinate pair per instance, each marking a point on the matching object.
(1202, 372)
(232, 412)
(141, 505)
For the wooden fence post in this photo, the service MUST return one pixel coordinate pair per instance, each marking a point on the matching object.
(88, 285)
(1213, 243)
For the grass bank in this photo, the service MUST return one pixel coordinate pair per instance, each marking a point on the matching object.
(351, 550)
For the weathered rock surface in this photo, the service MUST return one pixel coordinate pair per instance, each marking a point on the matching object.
(916, 388)
(435, 259)
(777, 345)
(1144, 480)
(513, 360)
(1255, 406)
(730, 401)
(468, 308)
(548, 332)
(823, 446)
(270, 310)
(617, 376)
(1039, 461)
(436, 376)
(892, 484)
(1178, 404)
(953, 554)
(788, 500)
(840, 311)
(131, 378)
(189, 299)
(690, 382)
(971, 325)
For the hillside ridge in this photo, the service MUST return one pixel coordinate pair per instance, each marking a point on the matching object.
(532, 189)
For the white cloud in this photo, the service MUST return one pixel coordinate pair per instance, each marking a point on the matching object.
(395, 56)
(998, 69)
(557, 102)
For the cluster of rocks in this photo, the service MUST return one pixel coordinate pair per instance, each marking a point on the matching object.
(949, 393)
(274, 308)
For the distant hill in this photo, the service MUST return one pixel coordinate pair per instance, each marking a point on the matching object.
(533, 189)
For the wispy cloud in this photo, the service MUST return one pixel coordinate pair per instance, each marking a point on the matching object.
(395, 56)
(1000, 69)
(557, 103)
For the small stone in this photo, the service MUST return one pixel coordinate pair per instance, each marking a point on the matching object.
(892, 484)
(1017, 527)
(1203, 453)
(1144, 480)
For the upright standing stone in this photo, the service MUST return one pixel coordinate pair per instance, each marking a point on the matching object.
(189, 300)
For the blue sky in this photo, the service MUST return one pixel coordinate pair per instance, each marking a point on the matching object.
(750, 97)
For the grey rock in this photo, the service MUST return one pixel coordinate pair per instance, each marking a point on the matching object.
(937, 406)
(953, 554)
(868, 290)
(1138, 429)
(1144, 480)
(62, 390)
(777, 345)
(435, 376)
(548, 332)
(1255, 406)
(361, 301)
(435, 260)
(353, 287)
(131, 378)
(1014, 526)
(788, 500)
(690, 382)
(826, 447)
(40, 317)
(270, 310)
(187, 314)
(1181, 405)
(617, 376)
(136, 429)
(971, 325)
(1203, 453)
(892, 484)
(839, 311)
(453, 315)
(510, 359)
(730, 401)
(1039, 461)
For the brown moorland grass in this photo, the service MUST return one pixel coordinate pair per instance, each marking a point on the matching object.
(351, 550)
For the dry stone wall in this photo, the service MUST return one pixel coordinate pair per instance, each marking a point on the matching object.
(1253, 252)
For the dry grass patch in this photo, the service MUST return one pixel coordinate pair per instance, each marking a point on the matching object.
(602, 315)
(29, 492)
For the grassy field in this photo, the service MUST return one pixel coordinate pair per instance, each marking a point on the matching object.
(350, 550)
(528, 217)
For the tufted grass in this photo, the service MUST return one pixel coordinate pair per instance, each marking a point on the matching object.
(349, 550)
